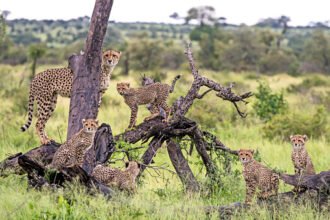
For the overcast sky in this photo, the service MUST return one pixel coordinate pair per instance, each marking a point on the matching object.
(249, 12)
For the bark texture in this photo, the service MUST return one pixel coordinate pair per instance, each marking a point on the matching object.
(87, 69)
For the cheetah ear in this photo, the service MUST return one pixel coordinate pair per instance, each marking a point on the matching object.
(126, 164)
(305, 137)
(291, 136)
(119, 53)
(252, 152)
(83, 121)
(96, 121)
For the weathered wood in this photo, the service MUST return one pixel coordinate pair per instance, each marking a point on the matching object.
(102, 148)
(182, 167)
(201, 145)
(183, 104)
(149, 154)
(43, 154)
(87, 69)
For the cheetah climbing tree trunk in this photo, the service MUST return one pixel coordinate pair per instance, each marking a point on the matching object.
(87, 69)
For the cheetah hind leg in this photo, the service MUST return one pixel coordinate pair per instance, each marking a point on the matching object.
(154, 109)
(45, 110)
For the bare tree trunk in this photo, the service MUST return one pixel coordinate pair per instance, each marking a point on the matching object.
(154, 145)
(182, 167)
(87, 68)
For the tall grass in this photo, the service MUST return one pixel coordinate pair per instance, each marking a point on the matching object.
(158, 196)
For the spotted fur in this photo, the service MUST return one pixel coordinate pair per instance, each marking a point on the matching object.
(148, 81)
(154, 94)
(124, 180)
(257, 177)
(47, 85)
(300, 158)
(72, 151)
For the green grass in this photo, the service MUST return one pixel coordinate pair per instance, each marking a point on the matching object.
(158, 196)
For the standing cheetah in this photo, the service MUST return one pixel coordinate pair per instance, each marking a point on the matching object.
(154, 94)
(257, 177)
(47, 85)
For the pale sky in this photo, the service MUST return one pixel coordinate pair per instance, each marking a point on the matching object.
(249, 12)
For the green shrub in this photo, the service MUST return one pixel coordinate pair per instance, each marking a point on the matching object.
(268, 103)
(307, 84)
(284, 125)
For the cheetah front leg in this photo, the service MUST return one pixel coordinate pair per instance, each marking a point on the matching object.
(134, 111)
(250, 190)
(101, 93)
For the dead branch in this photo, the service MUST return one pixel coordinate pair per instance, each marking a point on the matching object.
(218, 144)
(184, 103)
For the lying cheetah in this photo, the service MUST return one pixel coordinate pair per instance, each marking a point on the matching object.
(257, 177)
(154, 94)
(47, 85)
(72, 151)
(124, 180)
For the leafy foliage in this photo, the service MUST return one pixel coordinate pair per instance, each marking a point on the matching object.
(268, 103)
(282, 126)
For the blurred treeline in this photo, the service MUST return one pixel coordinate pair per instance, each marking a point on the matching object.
(270, 46)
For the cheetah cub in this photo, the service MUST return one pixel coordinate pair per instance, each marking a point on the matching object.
(154, 94)
(47, 85)
(300, 158)
(72, 151)
(124, 180)
(257, 177)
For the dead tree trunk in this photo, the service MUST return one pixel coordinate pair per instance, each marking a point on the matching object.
(87, 69)
(182, 167)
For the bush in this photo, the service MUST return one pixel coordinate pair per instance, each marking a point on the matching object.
(268, 103)
(284, 125)
(307, 84)
(279, 61)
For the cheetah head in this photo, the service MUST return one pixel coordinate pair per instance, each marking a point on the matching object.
(245, 155)
(110, 58)
(298, 141)
(123, 87)
(133, 167)
(90, 125)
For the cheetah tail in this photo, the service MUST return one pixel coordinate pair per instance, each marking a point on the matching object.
(173, 83)
(30, 113)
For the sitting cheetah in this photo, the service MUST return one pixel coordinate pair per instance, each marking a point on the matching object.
(47, 85)
(300, 158)
(72, 151)
(154, 94)
(124, 180)
(257, 176)
(302, 162)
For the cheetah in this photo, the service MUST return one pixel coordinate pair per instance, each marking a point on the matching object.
(124, 180)
(47, 85)
(72, 151)
(300, 158)
(257, 177)
(154, 94)
(302, 162)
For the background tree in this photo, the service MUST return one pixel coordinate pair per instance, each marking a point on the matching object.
(316, 53)
(35, 52)
(204, 15)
